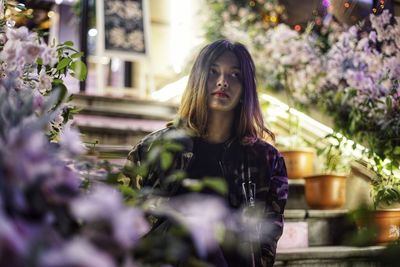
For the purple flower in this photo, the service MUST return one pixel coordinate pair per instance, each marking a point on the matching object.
(202, 215)
(129, 225)
(38, 100)
(70, 140)
(100, 204)
(372, 36)
(77, 252)
(105, 204)
(31, 51)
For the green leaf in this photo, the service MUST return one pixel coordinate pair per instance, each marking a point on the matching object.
(63, 63)
(69, 43)
(77, 55)
(39, 61)
(79, 70)
(193, 185)
(127, 192)
(166, 160)
(389, 102)
(173, 147)
(57, 81)
(62, 93)
(217, 184)
(396, 150)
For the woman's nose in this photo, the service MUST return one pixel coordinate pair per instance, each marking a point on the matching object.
(222, 82)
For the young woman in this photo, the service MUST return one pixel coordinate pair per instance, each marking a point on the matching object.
(220, 109)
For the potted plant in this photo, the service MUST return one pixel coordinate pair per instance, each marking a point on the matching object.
(382, 222)
(327, 190)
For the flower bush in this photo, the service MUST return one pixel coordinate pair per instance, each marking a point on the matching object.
(57, 208)
(253, 17)
(361, 92)
(351, 74)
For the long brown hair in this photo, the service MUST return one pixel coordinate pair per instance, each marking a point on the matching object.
(248, 122)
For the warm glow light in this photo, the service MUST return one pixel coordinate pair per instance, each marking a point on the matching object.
(347, 5)
(374, 10)
(279, 110)
(182, 36)
(171, 91)
(274, 19)
(50, 14)
(58, 2)
(252, 3)
(297, 28)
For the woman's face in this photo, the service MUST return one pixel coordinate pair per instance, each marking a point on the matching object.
(224, 85)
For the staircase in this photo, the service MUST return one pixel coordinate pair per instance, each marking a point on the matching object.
(119, 121)
(321, 237)
(310, 238)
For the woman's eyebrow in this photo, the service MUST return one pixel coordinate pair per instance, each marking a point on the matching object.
(233, 67)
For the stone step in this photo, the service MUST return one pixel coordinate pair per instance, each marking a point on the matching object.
(115, 131)
(124, 107)
(296, 195)
(305, 228)
(329, 256)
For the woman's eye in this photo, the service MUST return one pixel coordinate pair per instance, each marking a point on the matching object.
(235, 75)
(213, 71)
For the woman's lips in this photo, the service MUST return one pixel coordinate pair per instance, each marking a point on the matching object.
(220, 94)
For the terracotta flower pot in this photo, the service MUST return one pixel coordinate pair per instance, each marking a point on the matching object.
(386, 224)
(325, 191)
(299, 162)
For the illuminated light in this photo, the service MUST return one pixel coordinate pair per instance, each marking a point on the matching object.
(274, 19)
(58, 2)
(318, 22)
(92, 32)
(266, 18)
(279, 9)
(280, 110)
(181, 37)
(382, 2)
(29, 11)
(326, 3)
(347, 5)
(374, 10)
(171, 91)
(297, 28)
(50, 14)
(382, 6)
(252, 3)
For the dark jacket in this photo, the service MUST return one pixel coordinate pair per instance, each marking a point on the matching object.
(259, 168)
